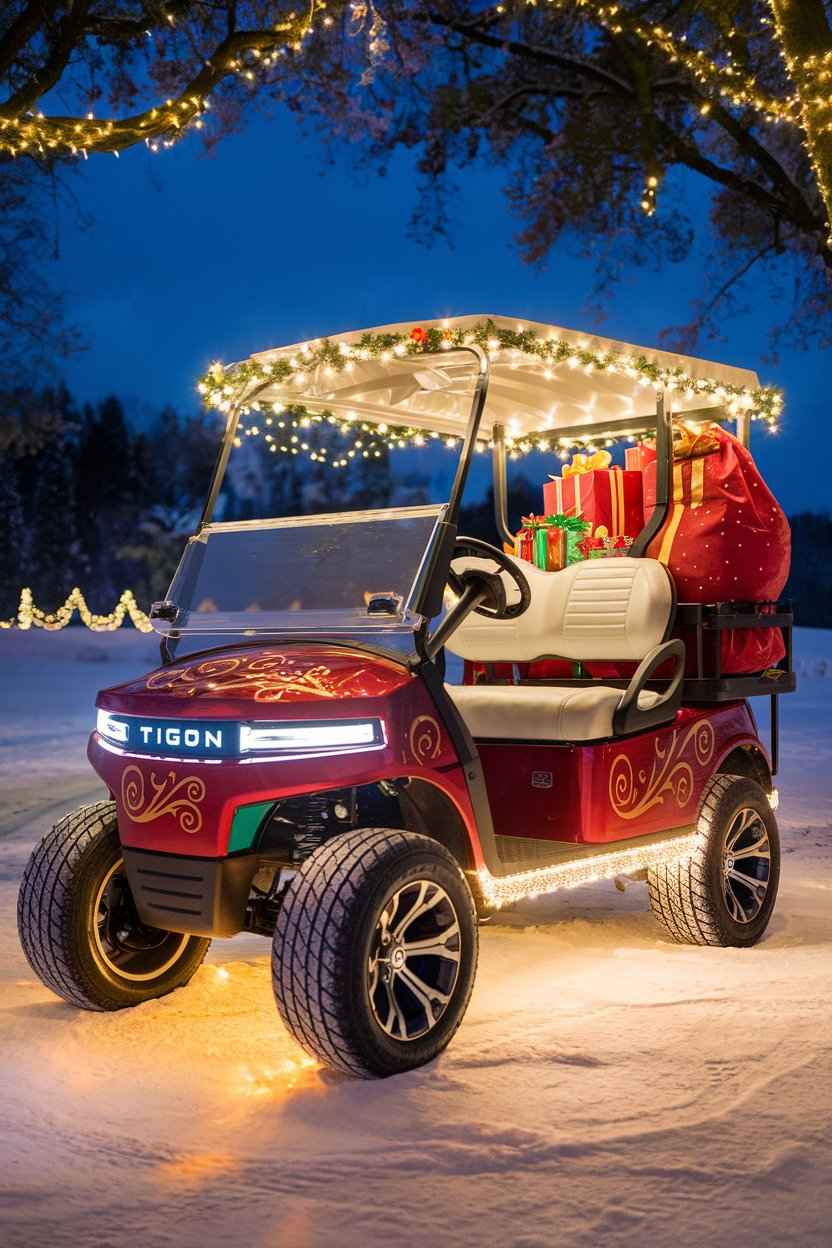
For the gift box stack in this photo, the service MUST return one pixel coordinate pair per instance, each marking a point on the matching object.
(592, 511)
(607, 499)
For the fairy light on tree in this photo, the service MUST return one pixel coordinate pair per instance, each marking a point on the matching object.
(591, 109)
(805, 38)
(238, 43)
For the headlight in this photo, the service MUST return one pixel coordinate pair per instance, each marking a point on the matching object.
(299, 738)
(112, 729)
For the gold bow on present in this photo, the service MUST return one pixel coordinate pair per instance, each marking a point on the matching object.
(587, 463)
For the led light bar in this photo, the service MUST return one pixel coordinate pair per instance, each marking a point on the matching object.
(501, 890)
(297, 737)
(112, 729)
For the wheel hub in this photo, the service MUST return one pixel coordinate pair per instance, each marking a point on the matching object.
(414, 960)
(746, 865)
(123, 944)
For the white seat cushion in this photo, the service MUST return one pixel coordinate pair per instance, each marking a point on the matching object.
(541, 712)
(615, 609)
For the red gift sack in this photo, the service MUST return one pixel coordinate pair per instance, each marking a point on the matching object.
(725, 538)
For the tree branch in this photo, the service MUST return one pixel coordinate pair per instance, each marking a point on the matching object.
(70, 29)
(544, 56)
(693, 328)
(111, 136)
(683, 147)
(24, 28)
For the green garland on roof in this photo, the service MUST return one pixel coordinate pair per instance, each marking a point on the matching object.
(223, 386)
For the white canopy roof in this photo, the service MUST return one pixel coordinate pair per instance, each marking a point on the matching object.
(562, 379)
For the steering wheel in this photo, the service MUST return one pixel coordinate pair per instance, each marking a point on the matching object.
(496, 606)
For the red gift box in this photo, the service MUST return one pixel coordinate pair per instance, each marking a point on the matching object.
(636, 458)
(611, 497)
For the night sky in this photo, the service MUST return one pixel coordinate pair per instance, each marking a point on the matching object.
(191, 258)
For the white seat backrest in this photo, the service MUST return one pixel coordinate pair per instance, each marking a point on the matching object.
(615, 608)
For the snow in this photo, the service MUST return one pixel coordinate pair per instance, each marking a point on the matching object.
(605, 1087)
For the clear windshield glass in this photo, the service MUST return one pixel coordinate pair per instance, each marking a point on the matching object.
(350, 572)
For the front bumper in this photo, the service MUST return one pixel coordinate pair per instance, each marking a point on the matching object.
(203, 896)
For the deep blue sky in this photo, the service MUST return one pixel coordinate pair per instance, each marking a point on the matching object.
(191, 258)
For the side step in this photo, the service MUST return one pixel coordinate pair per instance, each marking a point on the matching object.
(535, 866)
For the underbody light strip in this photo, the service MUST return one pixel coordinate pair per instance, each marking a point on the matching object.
(502, 890)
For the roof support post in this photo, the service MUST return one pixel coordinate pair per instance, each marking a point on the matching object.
(499, 479)
(664, 475)
(470, 440)
(220, 466)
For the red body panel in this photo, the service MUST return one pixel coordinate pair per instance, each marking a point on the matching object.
(186, 805)
(255, 681)
(592, 794)
(584, 794)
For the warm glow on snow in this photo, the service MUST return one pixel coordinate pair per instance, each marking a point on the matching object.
(272, 1081)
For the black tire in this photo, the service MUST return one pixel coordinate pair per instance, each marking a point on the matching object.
(71, 881)
(327, 951)
(700, 901)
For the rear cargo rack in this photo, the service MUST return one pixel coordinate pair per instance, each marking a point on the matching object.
(707, 621)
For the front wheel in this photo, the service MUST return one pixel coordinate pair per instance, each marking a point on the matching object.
(725, 892)
(79, 928)
(375, 952)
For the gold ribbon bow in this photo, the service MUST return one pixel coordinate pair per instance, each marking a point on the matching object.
(587, 463)
(691, 441)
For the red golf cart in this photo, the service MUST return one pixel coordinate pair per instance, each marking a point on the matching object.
(307, 772)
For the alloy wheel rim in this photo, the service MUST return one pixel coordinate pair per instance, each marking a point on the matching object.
(746, 865)
(414, 960)
(125, 946)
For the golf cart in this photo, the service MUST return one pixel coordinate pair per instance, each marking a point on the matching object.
(307, 773)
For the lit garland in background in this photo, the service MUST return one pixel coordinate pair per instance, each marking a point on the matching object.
(30, 616)
(290, 428)
(503, 890)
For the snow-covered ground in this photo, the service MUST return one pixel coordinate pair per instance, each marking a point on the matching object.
(606, 1087)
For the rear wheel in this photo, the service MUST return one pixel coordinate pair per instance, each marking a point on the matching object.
(79, 927)
(725, 892)
(375, 952)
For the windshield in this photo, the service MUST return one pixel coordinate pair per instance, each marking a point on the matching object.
(346, 572)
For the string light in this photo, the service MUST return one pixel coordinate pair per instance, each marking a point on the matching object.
(221, 387)
(811, 76)
(723, 80)
(30, 616)
(504, 890)
(160, 127)
(728, 81)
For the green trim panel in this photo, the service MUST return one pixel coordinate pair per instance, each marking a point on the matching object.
(246, 824)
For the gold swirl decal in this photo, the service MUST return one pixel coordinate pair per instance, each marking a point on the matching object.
(268, 678)
(179, 798)
(425, 738)
(633, 795)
